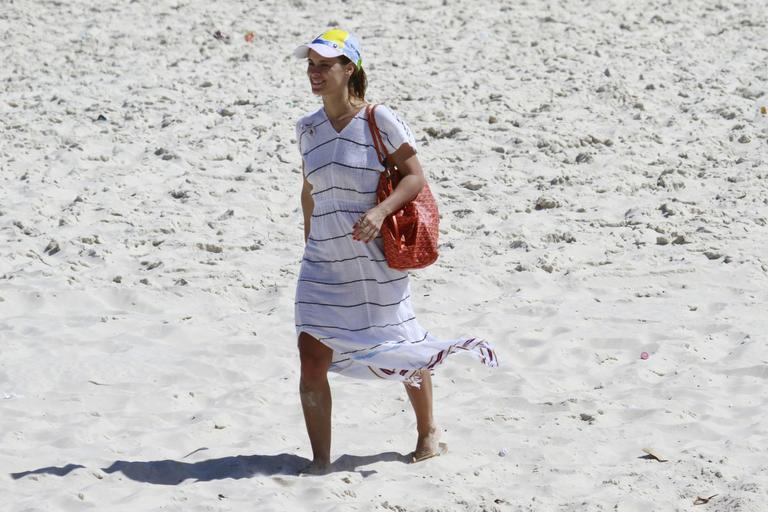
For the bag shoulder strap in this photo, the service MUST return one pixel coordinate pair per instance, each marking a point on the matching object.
(378, 142)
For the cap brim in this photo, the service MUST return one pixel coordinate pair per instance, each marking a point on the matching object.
(302, 52)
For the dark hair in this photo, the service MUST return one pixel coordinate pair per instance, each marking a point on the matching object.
(358, 82)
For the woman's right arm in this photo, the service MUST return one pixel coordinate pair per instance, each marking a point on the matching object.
(307, 204)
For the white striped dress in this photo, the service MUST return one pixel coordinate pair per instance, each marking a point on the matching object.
(347, 297)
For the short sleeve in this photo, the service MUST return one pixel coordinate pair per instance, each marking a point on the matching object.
(299, 133)
(394, 131)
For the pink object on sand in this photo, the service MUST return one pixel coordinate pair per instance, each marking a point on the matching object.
(644, 355)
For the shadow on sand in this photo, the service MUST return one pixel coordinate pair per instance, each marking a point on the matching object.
(172, 472)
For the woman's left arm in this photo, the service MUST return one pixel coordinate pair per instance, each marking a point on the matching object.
(411, 182)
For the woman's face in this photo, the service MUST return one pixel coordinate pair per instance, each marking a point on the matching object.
(327, 75)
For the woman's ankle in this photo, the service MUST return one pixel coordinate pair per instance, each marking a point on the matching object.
(429, 430)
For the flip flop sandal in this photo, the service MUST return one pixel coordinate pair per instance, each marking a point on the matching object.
(703, 501)
(442, 449)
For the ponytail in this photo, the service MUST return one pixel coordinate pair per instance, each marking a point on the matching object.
(358, 82)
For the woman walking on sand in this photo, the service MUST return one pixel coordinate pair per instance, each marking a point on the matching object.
(353, 312)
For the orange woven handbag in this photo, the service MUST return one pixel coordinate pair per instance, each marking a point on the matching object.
(409, 234)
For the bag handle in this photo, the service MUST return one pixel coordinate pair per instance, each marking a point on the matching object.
(383, 154)
(378, 142)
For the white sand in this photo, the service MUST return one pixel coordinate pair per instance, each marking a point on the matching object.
(636, 117)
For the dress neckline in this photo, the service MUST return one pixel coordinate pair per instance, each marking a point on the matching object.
(339, 132)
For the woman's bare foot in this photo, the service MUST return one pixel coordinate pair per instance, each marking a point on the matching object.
(428, 445)
(316, 468)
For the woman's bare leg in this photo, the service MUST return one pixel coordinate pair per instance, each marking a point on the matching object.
(421, 400)
(315, 396)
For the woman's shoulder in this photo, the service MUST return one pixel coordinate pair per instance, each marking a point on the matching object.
(311, 119)
(382, 109)
(391, 123)
(387, 115)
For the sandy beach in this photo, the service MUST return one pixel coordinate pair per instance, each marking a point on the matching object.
(602, 174)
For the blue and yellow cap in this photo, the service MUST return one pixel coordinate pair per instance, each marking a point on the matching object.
(333, 43)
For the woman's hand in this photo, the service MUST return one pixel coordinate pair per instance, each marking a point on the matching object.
(367, 227)
(410, 184)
